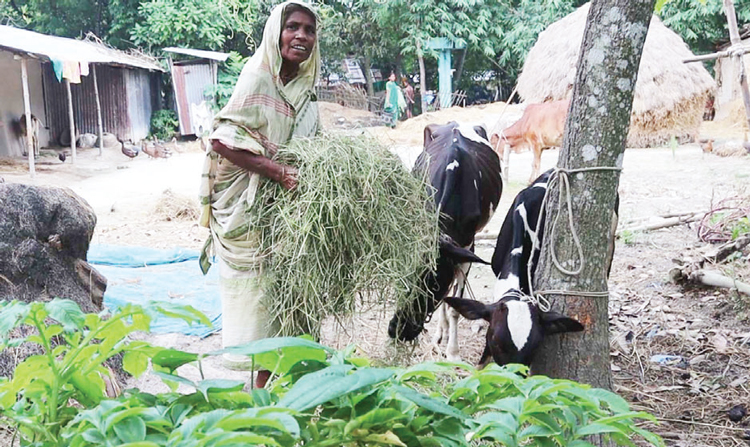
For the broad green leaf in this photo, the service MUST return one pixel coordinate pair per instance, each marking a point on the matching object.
(513, 405)
(330, 383)
(130, 430)
(615, 402)
(189, 314)
(387, 438)
(261, 397)
(67, 313)
(379, 416)
(135, 363)
(11, 315)
(630, 415)
(91, 388)
(429, 403)
(535, 431)
(171, 359)
(271, 344)
(173, 380)
(650, 437)
(282, 361)
(451, 428)
(218, 385)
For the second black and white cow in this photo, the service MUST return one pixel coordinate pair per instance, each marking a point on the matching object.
(465, 174)
(517, 326)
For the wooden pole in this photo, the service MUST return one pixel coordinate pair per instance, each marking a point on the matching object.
(72, 121)
(27, 111)
(734, 37)
(100, 127)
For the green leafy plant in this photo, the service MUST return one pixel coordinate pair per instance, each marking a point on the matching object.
(319, 397)
(74, 347)
(164, 124)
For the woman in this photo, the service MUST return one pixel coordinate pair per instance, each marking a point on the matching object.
(394, 100)
(409, 95)
(273, 101)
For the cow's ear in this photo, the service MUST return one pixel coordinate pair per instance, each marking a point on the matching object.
(471, 309)
(556, 323)
(429, 133)
(459, 254)
(481, 131)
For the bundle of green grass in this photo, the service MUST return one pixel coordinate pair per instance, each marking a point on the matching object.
(357, 231)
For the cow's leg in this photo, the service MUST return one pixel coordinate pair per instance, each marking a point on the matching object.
(439, 317)
(536, 163)
(452, 315)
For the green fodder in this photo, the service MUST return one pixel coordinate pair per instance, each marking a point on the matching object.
(357, 230)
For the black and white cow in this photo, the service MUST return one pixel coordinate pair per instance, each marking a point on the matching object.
(517, 326)
(465, 174)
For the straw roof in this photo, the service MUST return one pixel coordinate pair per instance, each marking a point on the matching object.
(669, 94)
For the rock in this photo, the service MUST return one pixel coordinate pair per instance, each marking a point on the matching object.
(109, 140)
(44, 237)
(65, 137)
(87, 140)
(737, 413)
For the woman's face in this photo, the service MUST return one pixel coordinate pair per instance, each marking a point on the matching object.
(392, 77)
(297, 37)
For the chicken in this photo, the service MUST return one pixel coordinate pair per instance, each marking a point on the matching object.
(62, 156)
(155, 149)
(130, 150)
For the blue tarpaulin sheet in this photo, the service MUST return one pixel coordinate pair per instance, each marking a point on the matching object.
(139, 275)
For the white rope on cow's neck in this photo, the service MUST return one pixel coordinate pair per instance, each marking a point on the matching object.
(561, 174)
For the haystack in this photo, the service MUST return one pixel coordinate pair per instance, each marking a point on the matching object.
(670, 96)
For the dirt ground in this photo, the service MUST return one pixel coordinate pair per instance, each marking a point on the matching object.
(706, 331)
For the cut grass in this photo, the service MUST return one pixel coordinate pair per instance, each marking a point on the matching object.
(357, 230)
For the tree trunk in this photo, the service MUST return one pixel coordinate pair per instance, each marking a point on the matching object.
(596, 131)
(367, 69)
(459, 69)
(422, 76)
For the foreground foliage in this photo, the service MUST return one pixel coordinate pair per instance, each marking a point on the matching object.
(320, 397)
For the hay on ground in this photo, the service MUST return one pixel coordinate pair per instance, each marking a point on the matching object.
(172, 206)
(356, 230)
(670, 96)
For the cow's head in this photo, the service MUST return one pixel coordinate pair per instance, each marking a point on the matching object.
(516, 327)
(408, 322)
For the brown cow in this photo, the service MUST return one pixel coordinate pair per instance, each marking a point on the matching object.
(541, 126)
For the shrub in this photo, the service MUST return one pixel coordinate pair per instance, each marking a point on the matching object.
(164, 124)
(320, 397)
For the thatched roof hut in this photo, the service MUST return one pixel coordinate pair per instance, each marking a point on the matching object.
(670, 96)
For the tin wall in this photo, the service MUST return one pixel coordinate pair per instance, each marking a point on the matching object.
(126, 98)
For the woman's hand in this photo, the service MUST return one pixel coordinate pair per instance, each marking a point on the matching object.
(289, 177)
(286, 175)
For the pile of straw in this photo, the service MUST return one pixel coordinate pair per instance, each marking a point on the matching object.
(357, 229)
(670, 96)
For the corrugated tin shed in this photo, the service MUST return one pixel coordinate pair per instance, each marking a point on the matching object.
(21, 41)
(190, 78)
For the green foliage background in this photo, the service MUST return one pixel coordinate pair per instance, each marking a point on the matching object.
(498, 33)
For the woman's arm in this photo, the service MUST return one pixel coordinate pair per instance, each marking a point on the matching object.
(286, 175)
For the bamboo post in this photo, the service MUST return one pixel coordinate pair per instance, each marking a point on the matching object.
(100, 127)
(72, 121)
(27, 111)
(734, 37)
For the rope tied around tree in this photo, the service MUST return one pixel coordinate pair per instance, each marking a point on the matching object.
(538, 298)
